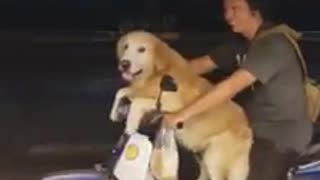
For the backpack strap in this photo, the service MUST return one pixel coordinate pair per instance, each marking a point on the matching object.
(292, 37)
(300, 56)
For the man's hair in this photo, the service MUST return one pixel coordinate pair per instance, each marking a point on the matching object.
(265, 7)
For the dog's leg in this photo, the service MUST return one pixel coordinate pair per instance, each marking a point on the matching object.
(213, 161)
(137, 110)
(173, 178)
(240, 168)
(157, 166)
(120, 94)
(203, 171)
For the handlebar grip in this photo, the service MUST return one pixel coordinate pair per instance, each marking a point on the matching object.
(152, 122)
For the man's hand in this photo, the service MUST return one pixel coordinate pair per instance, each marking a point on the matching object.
(172, 119)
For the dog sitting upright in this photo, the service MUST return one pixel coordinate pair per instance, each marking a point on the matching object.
(221, 136)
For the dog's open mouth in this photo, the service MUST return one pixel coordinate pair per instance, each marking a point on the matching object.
(130, 76)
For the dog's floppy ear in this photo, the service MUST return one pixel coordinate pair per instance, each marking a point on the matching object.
(162, 56)
(120, 46)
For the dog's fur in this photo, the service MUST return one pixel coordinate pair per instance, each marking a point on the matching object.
(221, 135)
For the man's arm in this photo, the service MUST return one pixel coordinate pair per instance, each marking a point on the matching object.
(202, 65)
(220, 93)
(265, 60)
(222, 56)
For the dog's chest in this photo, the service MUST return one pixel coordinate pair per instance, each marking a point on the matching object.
(170, 100)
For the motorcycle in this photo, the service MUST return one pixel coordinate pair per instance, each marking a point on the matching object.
(131, 156)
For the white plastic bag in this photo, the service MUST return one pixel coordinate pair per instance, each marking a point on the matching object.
(165, 158)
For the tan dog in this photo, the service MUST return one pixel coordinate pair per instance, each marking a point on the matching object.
(220, 135)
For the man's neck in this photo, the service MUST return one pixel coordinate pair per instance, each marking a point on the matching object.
(250, 34)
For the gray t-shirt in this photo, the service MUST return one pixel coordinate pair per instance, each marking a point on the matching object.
(276, 104)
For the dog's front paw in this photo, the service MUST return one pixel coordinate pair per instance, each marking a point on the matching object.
(117, 109)
(122, 110)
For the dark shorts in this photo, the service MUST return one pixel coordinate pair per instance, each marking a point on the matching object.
(267, 162)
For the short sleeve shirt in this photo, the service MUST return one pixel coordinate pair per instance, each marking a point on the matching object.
(276, 105)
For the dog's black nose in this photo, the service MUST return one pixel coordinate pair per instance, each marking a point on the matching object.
(125, 64)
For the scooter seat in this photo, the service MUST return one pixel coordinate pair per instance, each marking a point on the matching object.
(308, 168)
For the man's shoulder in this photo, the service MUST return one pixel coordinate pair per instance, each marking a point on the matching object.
(273, 41)
(277, 35)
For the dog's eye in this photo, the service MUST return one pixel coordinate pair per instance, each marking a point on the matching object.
(125, 46)
(141, 49)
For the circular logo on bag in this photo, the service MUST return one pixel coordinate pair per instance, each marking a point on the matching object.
(132, 152)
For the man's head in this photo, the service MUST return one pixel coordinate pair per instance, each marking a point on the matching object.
(242, 15)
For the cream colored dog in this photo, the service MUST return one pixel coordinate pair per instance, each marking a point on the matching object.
(220, 135)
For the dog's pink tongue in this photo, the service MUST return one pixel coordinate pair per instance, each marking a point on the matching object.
(127, 76)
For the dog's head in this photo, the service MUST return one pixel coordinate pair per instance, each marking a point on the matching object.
(140, 55)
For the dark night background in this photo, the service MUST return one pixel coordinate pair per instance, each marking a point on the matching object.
(200, 15)
(58, 70)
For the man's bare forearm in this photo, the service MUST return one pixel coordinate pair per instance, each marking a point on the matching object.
(202, 65)
(220, 93)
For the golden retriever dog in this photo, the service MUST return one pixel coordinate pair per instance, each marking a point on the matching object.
(221, 137)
